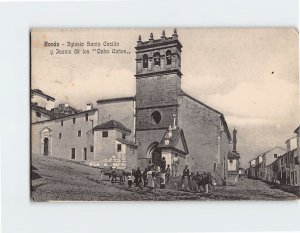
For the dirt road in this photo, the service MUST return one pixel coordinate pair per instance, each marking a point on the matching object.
(65, 180)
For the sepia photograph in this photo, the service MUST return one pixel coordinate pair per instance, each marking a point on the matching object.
(164, 114)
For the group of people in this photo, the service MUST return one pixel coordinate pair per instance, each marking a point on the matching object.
(158, 175)
(152, 176)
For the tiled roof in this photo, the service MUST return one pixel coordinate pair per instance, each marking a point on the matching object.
(277, 147)
(42, 110)
(126, 142)
(67, 116)
(112, 124)
(38, 91)
(177, 135)
(104, 101)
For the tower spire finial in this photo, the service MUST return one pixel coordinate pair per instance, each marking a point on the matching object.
(151, 36)
(163, 35)
(139, 42)
(175, 35)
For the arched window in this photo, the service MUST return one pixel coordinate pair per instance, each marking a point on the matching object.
(168, 57)
(156, 57)
(156, 117)
(145, 61)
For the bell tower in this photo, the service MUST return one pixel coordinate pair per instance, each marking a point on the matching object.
(158, 84)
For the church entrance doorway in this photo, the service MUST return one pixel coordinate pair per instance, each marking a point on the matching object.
(154, 154)
(46, 146)
(156, 157)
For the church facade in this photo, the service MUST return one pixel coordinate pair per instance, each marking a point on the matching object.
(161, 120)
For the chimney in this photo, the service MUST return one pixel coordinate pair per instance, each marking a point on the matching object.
(89, 106)
(234, 140)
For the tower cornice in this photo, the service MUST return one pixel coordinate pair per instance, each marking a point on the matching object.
(142, 45)
(162, 72)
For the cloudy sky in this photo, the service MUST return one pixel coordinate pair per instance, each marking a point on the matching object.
(250, 75)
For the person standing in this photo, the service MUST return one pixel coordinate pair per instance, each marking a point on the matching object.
(138, 175)
(163, 165)
(150, 174)
(185, 179)
(175, 163)
(129, 180)
(145, 181)
(168, 173)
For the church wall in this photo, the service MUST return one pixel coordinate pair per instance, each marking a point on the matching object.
(145, 121)
(225, 149)
(122, 111)
(131, 158)
(157, 90)
(201, 126)
(69, 136)
(144, 140)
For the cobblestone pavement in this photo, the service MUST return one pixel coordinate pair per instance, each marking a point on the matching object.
(66, 180)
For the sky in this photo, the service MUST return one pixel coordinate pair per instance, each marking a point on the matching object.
(250, 75)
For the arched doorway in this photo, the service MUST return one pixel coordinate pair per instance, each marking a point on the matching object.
(46, 142)
(46, 146)
(154, 154)
(156, 157)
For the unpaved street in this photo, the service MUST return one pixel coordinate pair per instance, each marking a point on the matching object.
(65, 180)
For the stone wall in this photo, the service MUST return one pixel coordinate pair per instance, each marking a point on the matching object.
(105, 147)
(122, 111)
(61, 147)
(144, 139)
(157, 90)
(201, 127)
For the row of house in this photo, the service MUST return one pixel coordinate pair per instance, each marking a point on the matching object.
(278, 165)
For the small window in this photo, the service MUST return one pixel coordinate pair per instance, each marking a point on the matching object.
(74, 120)
(62, 123)
(156, 57)
(79, 133)
(230, 160)
(72, 153)
(84, 153)
(168, 57)
(215, 167)
(38, 114)
(156, 117)
(91, 149)
(59, 135)
(86, 117)
(119, 147)
(123, 136)
(145, 61)
(104, 134)
(275, 156)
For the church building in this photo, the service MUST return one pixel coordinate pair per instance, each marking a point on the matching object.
(161, 120)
